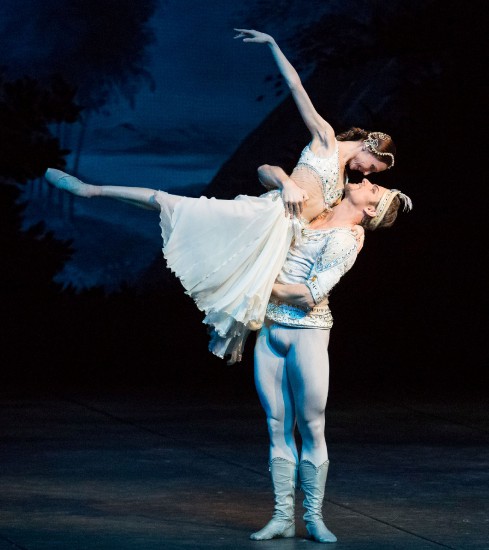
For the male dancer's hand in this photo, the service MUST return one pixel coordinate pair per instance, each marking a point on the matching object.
(294, 294)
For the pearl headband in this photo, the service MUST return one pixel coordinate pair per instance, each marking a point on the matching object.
(372, 143)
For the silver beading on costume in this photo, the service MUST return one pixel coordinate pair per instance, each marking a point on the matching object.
(384, 203)
(372, 144)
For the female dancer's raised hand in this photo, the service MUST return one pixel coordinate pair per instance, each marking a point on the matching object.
(254, 36)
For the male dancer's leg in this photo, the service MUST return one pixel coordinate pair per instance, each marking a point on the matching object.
(308, 372)
(274, 391)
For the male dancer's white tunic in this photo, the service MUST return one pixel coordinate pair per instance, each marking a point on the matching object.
(319, 262)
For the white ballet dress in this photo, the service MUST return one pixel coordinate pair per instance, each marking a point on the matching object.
(228, 253)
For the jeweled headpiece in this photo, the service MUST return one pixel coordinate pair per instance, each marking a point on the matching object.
(371, 143)
(384, 204)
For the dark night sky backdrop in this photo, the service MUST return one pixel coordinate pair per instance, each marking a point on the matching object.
(201, 75)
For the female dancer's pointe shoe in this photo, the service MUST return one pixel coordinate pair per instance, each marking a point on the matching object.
(282, 524)
(64, 181)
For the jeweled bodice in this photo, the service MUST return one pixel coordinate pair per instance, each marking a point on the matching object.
(325, 172)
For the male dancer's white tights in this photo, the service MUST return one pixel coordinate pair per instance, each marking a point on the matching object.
(292, 380)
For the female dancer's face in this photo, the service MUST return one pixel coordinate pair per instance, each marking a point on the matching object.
(366, 163)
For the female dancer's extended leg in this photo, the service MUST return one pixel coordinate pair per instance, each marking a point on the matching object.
(138, 196)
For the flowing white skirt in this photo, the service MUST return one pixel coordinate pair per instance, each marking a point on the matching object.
(227, 255)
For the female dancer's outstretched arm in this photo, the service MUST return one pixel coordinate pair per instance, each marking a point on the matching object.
(300, 199)
(322, 132)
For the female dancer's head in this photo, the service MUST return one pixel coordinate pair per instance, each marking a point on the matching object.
(377, 154)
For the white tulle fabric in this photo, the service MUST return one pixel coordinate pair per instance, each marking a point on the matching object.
(227, 254)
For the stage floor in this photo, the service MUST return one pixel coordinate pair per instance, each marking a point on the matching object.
(139, 470)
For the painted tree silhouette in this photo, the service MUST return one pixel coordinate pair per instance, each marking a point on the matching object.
(27, 148)
(99, 48)
(27, 109)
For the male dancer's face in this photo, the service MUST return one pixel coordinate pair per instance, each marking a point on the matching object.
(364, 193)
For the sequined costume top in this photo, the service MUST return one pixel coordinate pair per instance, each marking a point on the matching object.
(319, 175)
(319, 262)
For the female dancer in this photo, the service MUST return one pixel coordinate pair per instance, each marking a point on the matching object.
(227, 254)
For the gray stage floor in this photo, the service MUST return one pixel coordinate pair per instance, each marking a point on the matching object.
(141, 471)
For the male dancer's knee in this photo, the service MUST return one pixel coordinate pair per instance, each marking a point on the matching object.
(276, 428)
(312, 431)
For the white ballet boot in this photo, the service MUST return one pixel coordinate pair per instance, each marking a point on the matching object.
(282, 524)
(313, 482)
(64, 181)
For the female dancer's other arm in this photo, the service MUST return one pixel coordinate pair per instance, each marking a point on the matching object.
(296, 200)
(293, 196)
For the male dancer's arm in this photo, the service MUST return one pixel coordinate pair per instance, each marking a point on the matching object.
(335, 258)
(295, 295)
